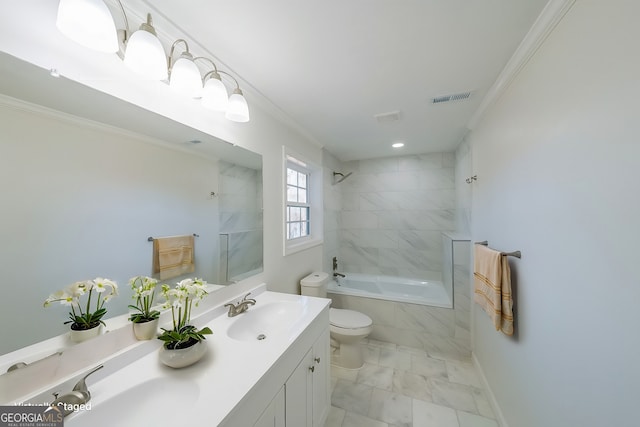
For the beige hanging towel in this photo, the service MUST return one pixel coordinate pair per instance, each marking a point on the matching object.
(173, 256)
(492, 287)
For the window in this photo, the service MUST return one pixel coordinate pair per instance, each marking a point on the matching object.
(303, 203)
(297, 221)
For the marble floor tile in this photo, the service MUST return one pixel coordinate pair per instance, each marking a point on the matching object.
(482, 403)
(371, 353)
(462, 373)
(392, 408)
(352, 397)
(376, 376)
(335, 417)
(343, 373)
(412, 350)
(426, 414)
(378, 343)
(395, 359)
(471, 420)
(402, 386)
(352, 419)
(455, 396)
(412, 385)
(428, 367)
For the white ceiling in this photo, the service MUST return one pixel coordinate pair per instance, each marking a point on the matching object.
(330, 66)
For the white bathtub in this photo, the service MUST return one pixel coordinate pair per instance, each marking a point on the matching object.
(389, 288)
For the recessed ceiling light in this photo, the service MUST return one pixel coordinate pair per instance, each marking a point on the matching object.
(397, 144)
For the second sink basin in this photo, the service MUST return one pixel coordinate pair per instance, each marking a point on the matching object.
(139, 405)
(265, 321)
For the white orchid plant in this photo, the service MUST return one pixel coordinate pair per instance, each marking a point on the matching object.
(181, 299)
(82, 316)
(144, 292)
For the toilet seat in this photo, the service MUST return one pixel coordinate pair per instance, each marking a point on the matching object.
(348, 319)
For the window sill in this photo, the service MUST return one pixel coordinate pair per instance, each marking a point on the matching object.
(292, 248)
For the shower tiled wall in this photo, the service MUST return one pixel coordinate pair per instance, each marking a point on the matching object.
(393, 211)
(332, 209)
(240, 206)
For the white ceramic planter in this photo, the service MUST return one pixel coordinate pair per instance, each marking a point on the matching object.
(84, 334)
(146, 330)
(183, 357)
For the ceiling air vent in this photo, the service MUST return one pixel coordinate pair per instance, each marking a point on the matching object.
(449, 98)
(392, 116)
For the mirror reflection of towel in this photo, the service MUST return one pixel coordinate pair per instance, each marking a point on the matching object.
(492, 287)
(173, 256)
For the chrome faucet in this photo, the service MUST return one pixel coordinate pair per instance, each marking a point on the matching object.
(80, 395)
(241, 306)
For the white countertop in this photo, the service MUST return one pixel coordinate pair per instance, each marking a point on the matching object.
(135, 385)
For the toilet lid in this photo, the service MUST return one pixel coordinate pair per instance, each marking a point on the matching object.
(348, 319)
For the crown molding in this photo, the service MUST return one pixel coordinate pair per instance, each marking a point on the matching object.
(549, 18)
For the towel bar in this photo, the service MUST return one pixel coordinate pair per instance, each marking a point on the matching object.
(151, 239)
(516, 254)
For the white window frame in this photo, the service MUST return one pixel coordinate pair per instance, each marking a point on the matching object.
(295, 161)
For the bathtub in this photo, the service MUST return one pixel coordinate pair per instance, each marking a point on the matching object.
(399, 289)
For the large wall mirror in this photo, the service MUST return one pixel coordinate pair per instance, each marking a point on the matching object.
(86, 179)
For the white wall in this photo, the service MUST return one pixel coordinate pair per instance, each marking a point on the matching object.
(557, 160)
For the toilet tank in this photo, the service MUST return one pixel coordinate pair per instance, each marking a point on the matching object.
(315, 285)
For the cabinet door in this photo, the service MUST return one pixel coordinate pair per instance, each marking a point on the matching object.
(321, 380)
(298, 393)
(273, 416)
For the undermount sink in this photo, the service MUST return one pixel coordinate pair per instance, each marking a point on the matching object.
(139, 405)
(266, 321)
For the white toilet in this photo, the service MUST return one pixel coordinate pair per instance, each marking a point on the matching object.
(347, 327)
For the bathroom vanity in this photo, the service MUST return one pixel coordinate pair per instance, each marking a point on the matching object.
(268, 366)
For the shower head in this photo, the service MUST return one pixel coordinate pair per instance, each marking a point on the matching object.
(343, 177)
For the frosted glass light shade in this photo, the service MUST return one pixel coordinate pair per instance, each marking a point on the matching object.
(185, 78)
(145, 55)
(214, 95)
(88, 23)
(238, 110)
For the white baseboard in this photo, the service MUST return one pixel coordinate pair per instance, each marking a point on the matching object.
(492, 398)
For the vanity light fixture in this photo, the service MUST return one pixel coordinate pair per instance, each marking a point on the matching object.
(88, 23)
(184, 74)
(145, 54)
(397, 144)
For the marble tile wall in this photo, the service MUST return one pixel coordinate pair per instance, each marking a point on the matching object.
(463, 190)
(332, 209)
(439, 331)
(240, 207)
(392, 213)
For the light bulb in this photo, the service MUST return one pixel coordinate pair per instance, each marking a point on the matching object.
(214, 95)
(145, 54)
(238, 110)
(185, 77)
(88, 23)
